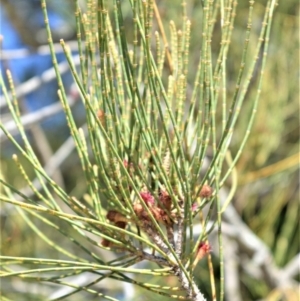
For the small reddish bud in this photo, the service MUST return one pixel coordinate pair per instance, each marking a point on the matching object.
(144, 215)
(121, 225)
(194, 206)
(206, 191)
(165, 199)
(166, 219)
(105, 243)
(204, 248)
(157, 213)
(115, 216)
(111, 215)
(148, 198)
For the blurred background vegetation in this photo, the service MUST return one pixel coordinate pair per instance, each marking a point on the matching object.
(267, 197)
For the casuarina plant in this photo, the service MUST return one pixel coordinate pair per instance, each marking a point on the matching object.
(155, 151)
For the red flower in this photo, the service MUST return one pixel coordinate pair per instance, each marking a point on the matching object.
(148, 198)
(204, 247)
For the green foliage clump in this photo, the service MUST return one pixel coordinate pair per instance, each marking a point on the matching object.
(156, 151)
